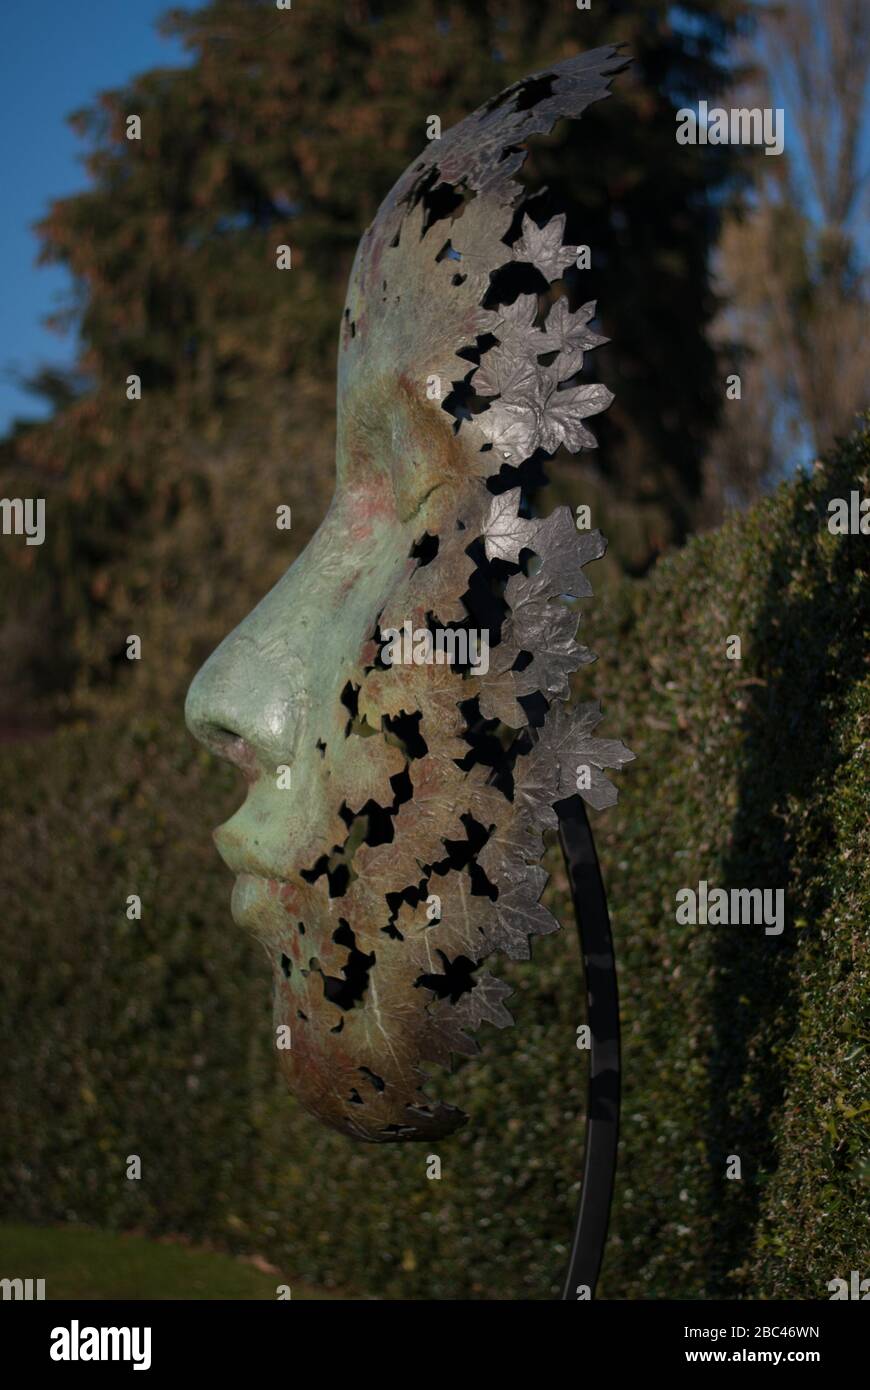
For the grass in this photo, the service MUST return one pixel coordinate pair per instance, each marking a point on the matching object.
(79, 1263)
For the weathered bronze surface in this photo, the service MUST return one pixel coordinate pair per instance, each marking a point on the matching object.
(406, 850)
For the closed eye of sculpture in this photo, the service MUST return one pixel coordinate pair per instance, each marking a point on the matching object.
(398, 702)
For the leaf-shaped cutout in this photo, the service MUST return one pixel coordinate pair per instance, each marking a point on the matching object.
(434, 588)
(476, 236)
(433, 690)
(420, 827)
(462, 928)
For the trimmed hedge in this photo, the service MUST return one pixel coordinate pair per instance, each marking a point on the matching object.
(154, 1037)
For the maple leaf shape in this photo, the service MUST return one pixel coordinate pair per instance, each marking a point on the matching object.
(568, 334)
(548, 633)
(564, 551)
(484, 1003)
(549, 672)
(518, 917)
(516, 322)
(486, 803)
(526, 596)
(505, 533)
(369, 771)
(498, 697)
(522, 589)
(435, 588)
(536, 778)
(539, 415)
(543, 246)
(476, 236)
(562, 411)
(505, 372)
(566, 741)
(430, 690)
(512, 849)
(461, 929)
(512, 428)
(447, 1021)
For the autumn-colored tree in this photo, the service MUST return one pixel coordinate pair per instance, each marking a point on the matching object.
(793, 264)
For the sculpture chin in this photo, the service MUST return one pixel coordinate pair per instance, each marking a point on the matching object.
(323, 1066)
(257, 907)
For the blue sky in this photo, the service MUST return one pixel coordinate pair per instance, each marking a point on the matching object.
(57, 55)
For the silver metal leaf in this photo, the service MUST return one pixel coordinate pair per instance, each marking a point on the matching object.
(562, 413)
(543, 246)
(564, 551)
(518, 917)
(567, 740)
(505, 533)
(505, 372)
(568, 334)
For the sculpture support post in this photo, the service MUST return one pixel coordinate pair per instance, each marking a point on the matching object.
(602, 1123)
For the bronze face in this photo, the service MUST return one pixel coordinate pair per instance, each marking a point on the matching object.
(397, 703)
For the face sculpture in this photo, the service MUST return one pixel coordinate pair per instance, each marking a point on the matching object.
(397, 702)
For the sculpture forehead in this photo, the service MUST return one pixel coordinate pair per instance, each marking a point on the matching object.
(418, 279)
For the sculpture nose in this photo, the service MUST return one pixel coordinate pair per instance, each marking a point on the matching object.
(248, 702)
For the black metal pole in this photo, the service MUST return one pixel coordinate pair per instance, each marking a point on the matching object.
(602, 1126)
